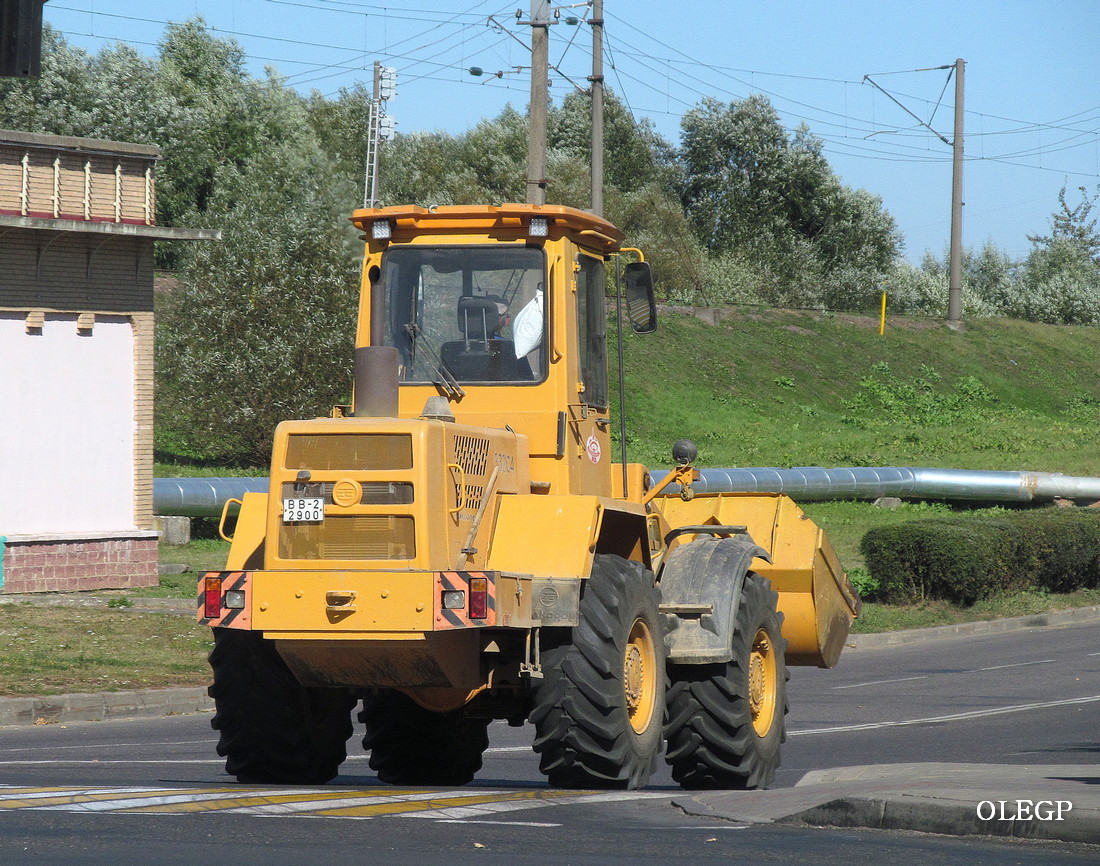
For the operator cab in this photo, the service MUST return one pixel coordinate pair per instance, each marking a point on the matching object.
(479, 311)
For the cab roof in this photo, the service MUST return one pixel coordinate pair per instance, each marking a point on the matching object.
(584, 227)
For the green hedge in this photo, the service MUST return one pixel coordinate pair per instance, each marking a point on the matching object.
(963, 559)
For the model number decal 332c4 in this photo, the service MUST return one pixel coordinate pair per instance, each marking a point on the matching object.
(304, 510)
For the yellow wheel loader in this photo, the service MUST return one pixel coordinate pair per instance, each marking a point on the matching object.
(458, 546)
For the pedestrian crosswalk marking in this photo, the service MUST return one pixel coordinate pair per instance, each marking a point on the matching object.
(366, 803)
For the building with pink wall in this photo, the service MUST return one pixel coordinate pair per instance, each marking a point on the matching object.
(77, 228)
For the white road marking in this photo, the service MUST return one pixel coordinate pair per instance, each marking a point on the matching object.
(81, 792)
(86, 746)
(498, 823)
(166, 799)
(1017, 665)
(465, 812)
(351, 802)
(954, 717)
(878, 683)
(62, 762)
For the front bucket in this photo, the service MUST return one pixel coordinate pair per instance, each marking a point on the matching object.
(817, 600)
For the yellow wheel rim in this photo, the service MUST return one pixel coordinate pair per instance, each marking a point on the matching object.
(762, 683)
(640, 676)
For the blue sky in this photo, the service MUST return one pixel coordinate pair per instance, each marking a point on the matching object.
(1032, 79)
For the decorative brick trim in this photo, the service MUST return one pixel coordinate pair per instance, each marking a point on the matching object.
(74, 565)
(143, 419)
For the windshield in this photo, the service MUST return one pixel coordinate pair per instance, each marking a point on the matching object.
(479, 312)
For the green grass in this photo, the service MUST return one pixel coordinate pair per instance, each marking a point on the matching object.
(789, 389)
(805, 389)
(56, 650)
(882, 617)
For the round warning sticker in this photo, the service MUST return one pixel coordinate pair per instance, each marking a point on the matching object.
(592, 446)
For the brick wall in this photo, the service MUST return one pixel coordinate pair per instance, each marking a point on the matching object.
(76, 272)
(67, 565)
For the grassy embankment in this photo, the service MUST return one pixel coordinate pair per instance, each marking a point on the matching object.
(758, 389)
(809, 389)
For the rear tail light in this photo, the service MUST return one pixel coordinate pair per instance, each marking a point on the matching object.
(212, 596)
(479, 597)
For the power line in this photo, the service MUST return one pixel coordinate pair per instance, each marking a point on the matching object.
(676, 69)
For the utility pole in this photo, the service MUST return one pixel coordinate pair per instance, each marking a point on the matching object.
(379, 128)
(540, 71)
(954, 302)
(597, 107)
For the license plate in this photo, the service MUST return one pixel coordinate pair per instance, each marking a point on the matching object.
(304, 510)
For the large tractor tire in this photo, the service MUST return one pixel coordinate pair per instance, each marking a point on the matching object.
(273, 729)
(410, 745)
(726, 721)
(599, 710)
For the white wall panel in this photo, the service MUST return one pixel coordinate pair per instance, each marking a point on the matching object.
(66, 425)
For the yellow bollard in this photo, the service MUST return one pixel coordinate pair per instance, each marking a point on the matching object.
(882, 319)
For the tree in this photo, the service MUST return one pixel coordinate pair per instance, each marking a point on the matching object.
(634, 154)
(1072, 227)
(1060, 280)
(751, 189)
(60, 101)
(261, 327)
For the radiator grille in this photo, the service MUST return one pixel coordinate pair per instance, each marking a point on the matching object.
(368, 451)
(350, 537)
(472, 454)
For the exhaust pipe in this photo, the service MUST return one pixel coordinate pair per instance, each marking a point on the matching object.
(375, 379)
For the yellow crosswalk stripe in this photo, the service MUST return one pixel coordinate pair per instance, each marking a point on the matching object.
(242, 801)
(314, 802)
(436, 802)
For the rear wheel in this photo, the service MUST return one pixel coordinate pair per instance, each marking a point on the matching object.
(599, 710)
(726, 721)
(273, 729)
(410, 745)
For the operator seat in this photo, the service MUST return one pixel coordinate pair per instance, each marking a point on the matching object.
(481, 356)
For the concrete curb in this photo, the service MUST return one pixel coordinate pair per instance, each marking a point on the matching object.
(101, 706)
(1072, 616)
(926, 797)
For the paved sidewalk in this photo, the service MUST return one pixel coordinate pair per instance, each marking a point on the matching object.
(1055, 802)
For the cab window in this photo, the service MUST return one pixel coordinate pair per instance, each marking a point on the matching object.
(591, 330)
(480, 313)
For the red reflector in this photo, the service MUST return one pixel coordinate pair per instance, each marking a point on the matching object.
(212, 597)
(479, 597)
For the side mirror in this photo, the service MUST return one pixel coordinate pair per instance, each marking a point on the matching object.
(641, 308)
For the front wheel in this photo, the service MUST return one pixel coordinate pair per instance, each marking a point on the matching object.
(599, 709)
(726, 721)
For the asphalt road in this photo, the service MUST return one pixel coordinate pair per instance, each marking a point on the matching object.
(154, 791)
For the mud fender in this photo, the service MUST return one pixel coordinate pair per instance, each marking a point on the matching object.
(701, 586)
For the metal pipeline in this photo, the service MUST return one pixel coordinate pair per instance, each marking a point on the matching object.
(204, 497)
(200, 497)
(808, 483)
